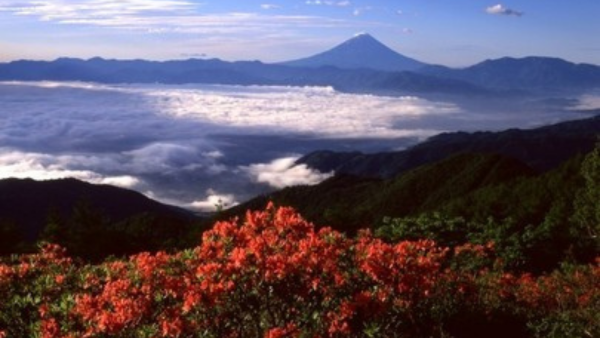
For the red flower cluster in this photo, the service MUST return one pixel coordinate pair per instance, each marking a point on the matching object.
(274, 275)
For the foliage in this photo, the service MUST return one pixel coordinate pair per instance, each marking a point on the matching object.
(273, 275)
(88, 233)
(587, 203)
(533, 221)
(350, 203)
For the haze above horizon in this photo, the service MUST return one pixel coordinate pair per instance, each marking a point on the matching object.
(447, 33)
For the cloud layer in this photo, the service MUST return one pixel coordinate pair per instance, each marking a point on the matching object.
(190, 145)
(196, 145)
(315, 111)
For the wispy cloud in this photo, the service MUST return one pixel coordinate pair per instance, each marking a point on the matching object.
(328, 3)
(361, 10)
(19, 164)
(269, 6)
(500, 9)
(588, 102)
(164, 16)
(51, 10)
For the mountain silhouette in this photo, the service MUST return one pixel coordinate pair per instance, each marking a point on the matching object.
(361, 51)
(542, 149)
(27, 202)
(527, 73)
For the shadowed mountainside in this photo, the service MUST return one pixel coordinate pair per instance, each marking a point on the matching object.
(529, 73)
(541, 148)
(92, 221)
(349, 203)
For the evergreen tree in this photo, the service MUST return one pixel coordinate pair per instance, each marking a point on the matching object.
(55, 230)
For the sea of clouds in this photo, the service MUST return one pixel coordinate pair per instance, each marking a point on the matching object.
(201, 145)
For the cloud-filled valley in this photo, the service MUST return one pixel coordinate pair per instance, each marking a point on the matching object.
(199, 145)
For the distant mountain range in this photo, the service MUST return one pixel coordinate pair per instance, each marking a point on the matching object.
(361, 64)
(232, 73)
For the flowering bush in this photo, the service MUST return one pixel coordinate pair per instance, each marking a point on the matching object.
(273, 275)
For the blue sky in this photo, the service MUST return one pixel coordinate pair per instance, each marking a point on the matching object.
(454, 33)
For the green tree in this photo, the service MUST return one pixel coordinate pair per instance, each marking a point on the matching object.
(587, 201)
(55, 230)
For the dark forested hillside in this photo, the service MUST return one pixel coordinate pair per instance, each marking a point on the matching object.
(349, 203)
(90, 220)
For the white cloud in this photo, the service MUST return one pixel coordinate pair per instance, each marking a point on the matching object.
(588, 102)
(121, 181)
(269, 6)
(17, 164)
(214, 201)
(500, 9)
(317, 111)
(328, 3)
(361, 10)
(161, 157)
(283, 173)
(214, 154)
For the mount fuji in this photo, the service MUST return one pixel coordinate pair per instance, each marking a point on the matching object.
(361, 51)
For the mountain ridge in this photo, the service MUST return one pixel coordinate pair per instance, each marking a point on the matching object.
(216, 71)
(541, 148)
(504, 76)
(531, 72)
